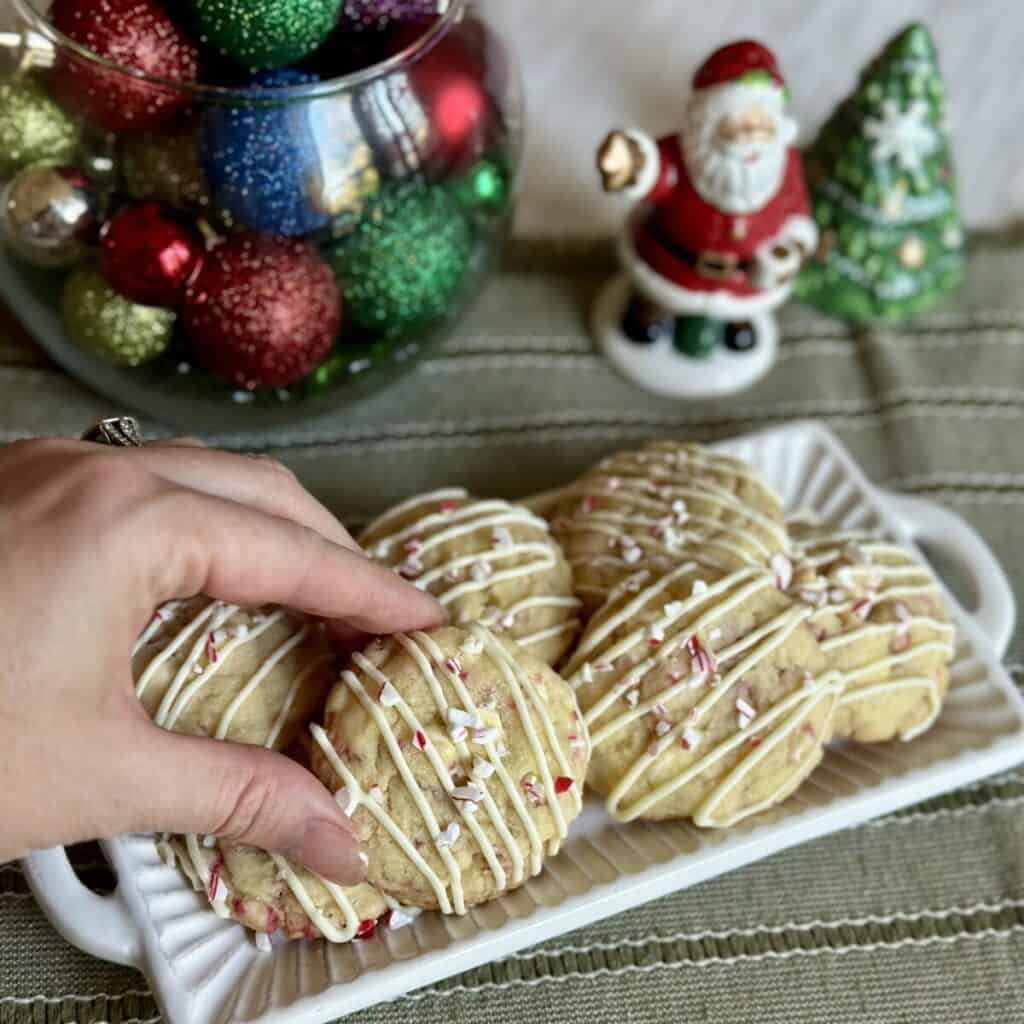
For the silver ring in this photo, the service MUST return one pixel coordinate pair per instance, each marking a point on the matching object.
(117, 432)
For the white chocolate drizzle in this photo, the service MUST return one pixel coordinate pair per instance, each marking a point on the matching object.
(680, 623)
(854, 557)
(488, 774)
(497, 557)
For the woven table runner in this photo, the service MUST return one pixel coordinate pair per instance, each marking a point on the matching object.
(917, 917)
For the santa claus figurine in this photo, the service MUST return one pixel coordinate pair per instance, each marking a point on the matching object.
(718, 238)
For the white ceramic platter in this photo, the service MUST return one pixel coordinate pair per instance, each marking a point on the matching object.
(204, 970)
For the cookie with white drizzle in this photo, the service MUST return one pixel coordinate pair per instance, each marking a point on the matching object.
(653, 508)
(705, 695)
(486, 561)
(883, 623)
(208, 668)
(461, 759)
(268, 894)
(256, 676)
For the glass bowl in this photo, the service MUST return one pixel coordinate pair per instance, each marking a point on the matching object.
(400, 176)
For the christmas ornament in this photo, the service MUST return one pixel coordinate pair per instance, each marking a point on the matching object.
(718, 241)
(32, 126)
(485, 188)
(264, 34)
(262, 312)
(405, 260)
(136, 34)
(49, 215)
(375, 15)
(110, 326)
(263, 163)
(166, 168)
(884, 193)
(149, 256)
(433, 116)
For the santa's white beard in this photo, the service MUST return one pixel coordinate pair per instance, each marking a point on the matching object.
(728, 177)
(731, 183)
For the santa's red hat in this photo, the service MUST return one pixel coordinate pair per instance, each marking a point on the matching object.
(746, 59)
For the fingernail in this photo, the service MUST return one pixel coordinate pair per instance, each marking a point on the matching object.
(332, 852)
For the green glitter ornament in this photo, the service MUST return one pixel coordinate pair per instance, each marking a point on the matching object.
(485, 188)
(404, 261)
(109, 326)
(264, 34)
(33, 128)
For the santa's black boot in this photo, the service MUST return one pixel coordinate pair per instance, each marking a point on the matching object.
(740, 336)
(645, 322)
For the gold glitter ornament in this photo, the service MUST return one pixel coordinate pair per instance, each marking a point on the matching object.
(165, 167)
(104, 323)
(33, 127)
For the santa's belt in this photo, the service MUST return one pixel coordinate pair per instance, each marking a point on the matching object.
(719, 266)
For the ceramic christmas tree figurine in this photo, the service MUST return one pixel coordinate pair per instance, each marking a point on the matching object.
(719, 235)
(884, 195)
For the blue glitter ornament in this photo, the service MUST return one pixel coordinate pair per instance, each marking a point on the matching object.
(263, 162)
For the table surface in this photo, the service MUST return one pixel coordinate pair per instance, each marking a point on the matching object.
(917, 917)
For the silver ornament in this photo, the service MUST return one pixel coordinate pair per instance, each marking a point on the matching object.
(49, 215)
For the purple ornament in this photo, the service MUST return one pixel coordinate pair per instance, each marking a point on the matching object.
(369, 15)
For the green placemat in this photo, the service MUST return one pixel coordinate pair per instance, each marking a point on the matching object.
(917, 917)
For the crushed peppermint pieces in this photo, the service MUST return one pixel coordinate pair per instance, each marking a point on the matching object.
(861, 608)
(449, 836)
(837, 595)
(631, 551)
(699, 588)
(481, 769)
(587, 672)
(382, 550)
(486, 734)
(577, 742)
(481, 570)
(745, 712)
(782, 567)
(662, 726)
(211, 648)
(377, 795)
(586, 505)
(472, 646)
(689, 739)
(563, 784)
(470, 793)
(673, 609)
(213, 882)
(263, 943)
(700, 656)
(756, 741)
(414, 546)
(454, 666)
(632, 696)
(346, 801)
(679, 511)
(411, 568)
(388, 695)
(366, 929)
(448, 507)
(656, 634)
(400, 917)
(209, 842)
(501, 537)
(533, 789)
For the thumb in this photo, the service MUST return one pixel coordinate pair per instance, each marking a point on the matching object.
(243, 794)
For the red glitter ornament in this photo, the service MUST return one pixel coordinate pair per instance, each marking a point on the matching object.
(148, 255)
(135, 34)
(263, 311)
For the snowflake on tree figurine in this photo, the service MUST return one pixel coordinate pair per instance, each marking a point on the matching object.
(884, 194)
(718, 239)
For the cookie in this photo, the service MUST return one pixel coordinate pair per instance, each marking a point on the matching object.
(268, 894)
(485, 561)
(654, 508)
(705, 695)
(207, 668)
(460, 759)
(883, 623)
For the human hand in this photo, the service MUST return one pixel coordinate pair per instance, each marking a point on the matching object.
(92, 540)
(620, 161)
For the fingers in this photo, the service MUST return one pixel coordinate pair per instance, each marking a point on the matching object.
(242, 794)
(235, 553)
(250, 480)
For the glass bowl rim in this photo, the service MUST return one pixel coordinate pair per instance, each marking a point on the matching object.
(37, 22)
